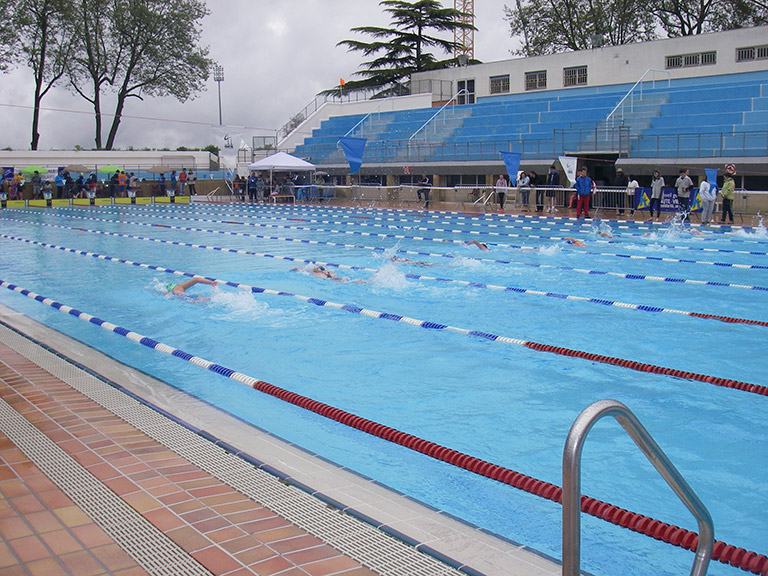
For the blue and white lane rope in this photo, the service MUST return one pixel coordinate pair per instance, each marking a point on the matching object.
(443, 231)
(407, 252)
(550, 224)
(448, 217)
(229, 373)
(400, 237)
(597, 508)
(420, 277)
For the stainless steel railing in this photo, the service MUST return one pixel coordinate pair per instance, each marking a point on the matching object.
(574, 445)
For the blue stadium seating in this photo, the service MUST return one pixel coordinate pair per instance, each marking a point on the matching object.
(692, 117)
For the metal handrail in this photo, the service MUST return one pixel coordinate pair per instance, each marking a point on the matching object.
(574, 445)
(364, 118)
(463, 91)
(630, 94)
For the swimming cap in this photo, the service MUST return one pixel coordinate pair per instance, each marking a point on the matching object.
(170, 286)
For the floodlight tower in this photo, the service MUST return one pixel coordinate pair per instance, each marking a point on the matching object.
(465, 39)
(218, 77)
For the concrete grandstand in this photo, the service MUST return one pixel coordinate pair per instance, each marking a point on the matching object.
(695, 102)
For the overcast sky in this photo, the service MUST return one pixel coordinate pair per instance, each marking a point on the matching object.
(276, 56)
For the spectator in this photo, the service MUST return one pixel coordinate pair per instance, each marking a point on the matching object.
(182, 181)
(583, 187)
(501, 191)
(553, 181)
(657, 189)
(632, 187)
(729, 193)
(37, 183)
(191, 179)
(425, 186)
(708, 195)
(60, 182)
(618, 197)
(524, 185)
(683, 185)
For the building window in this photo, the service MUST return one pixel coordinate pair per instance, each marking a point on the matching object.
(743, 54)
(467, 97)
(499, 84)
(674, 61)
(689, 60)
(762, 52)
(576, 76)
(536, 80)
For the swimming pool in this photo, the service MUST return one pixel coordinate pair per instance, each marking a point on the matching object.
(487, 397)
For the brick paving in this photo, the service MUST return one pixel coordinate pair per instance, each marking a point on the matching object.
(43, 532)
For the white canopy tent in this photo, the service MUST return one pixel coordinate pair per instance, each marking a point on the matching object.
(282, 162)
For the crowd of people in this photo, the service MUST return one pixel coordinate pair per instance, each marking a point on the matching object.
(67, 185)
(622, 196)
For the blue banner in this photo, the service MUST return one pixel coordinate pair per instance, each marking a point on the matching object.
(512, 162)
(354, 148)
(711, 177)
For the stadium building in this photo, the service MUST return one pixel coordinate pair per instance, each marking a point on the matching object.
(696, 102)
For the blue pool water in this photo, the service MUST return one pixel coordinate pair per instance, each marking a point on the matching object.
(503, 403)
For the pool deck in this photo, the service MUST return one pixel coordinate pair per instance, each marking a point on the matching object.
(104, 470)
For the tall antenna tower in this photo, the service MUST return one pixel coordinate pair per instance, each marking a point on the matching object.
(465, 39)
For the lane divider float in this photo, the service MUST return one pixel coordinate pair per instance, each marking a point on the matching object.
(727, 554)
(409, 276)
(537, 346)
(450, 231)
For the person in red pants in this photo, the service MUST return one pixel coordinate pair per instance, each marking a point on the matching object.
(583, 187)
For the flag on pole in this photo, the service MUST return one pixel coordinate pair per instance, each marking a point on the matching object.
(569, 166)
(354, 148)
(341, 82)
(711, 177)
(512, 163)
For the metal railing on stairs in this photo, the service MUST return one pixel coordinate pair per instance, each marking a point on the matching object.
(574, 445)
(635, 93)
(452, 102)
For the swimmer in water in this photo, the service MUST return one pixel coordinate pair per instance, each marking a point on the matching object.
(321, 272)
(481, 245)
(421, 263)
(180, 289)
(574, 241)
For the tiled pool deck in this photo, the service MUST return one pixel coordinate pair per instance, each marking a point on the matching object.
(93, 482)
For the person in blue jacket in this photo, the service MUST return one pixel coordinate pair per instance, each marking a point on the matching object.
(583, 187)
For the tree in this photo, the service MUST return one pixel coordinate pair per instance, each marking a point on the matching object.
(689, 17)
(89, 70)
(44, 42)
(139, 48)
(8, 36)
(403, 48)
(552, 26)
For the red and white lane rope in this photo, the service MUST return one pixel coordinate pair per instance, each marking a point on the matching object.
(727, 554)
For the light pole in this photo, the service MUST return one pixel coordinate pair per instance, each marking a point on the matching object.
(218, 77)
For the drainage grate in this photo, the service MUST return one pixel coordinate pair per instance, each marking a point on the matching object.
(155, 552)
(380, 552)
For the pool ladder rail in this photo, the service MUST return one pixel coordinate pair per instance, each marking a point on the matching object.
(574, 445)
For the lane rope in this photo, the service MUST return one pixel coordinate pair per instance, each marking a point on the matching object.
(471, 233)
(546, 224)
(380, 249)
(409, 276)
(537, 346)
(722, 552)
(256, 210)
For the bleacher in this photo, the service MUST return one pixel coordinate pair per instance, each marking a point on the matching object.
(695, 117)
